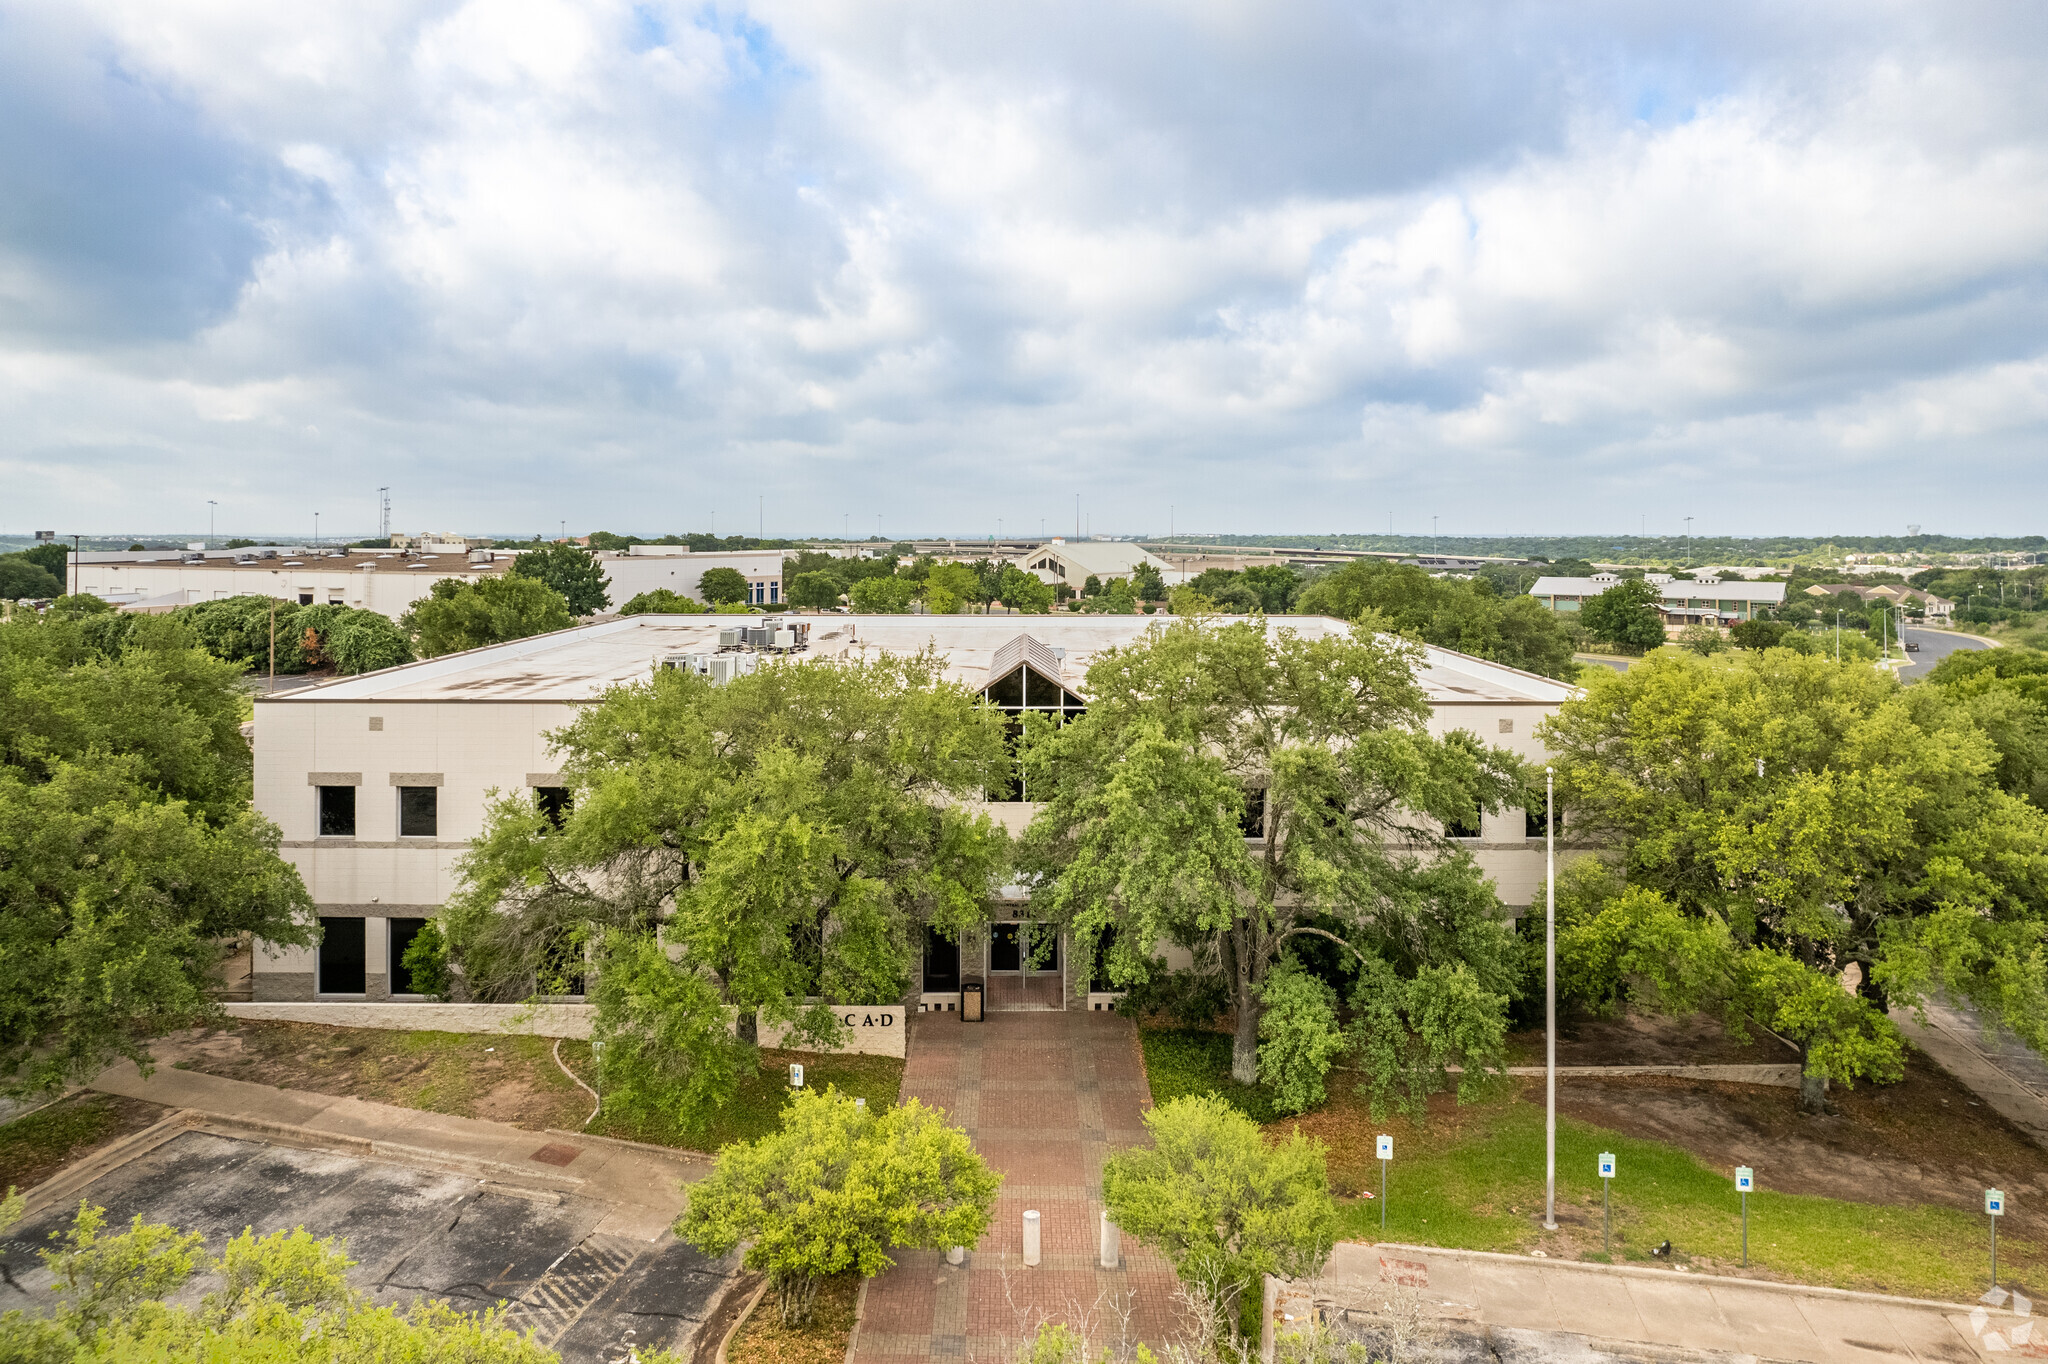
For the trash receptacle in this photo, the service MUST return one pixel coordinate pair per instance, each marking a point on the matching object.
(970, 1001)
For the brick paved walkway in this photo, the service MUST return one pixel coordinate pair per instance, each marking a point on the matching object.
(1046, 1097)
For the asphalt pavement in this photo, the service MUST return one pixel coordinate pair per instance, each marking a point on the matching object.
(1935, 645)
(591, 1296)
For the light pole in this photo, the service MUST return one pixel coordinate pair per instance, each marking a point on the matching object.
(211, 507)
(316, 530)
(1550, 1000)
(1688, 542)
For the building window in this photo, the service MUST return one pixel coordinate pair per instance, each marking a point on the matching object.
(337, 811)
(941, 962)
(1252, 822)
(305, 598)
(1532, 819)
(774, 593)
(1465, 826)
(402, 932)
(419, 811)
(340, 958)
(553, 803)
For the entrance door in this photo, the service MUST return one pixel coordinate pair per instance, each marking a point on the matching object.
(1005, 947)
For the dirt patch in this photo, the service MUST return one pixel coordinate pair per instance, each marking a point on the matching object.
(37, 1145)
(472, 1075)
(1641, 1040)
(1926, 1139)
(765, 1340)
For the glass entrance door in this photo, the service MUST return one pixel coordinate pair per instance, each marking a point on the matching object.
(1023, 947)
(1005, 947)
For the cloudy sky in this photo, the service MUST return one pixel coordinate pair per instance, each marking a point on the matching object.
(1259, 266)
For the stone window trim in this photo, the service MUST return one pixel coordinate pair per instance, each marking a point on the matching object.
(334, 779)
(1507, 726)
(417, 779)
(545, 779)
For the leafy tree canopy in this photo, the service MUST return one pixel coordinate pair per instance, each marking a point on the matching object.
(1144, 829)
(572, 571)
(883, 596)
(1451, 613)
(284, 1296)
(460, 615)
(1224, 1205)
(2005, 692)
(1022, 591)
(805, 822)
(723, 586)
(128, 851)
(1817, 813)
(662, 602)
(837, 1188)
(21, 576)
(812, 591)
(1625, 615)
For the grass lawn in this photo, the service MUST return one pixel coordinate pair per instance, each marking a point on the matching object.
(757, 1109)
(1472, 1178)
(37, 1145)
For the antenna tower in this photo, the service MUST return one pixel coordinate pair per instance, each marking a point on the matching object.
(384, 515)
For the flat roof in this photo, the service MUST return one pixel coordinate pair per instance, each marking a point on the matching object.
(580, 664)
(1723, 591)
(383, 561)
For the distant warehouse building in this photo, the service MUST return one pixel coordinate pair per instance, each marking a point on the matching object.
(649, 568)
(1060, 561)
(378, 783)
(381, 580)
(1685, 601)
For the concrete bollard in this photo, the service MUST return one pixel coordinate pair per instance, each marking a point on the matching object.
(1112, 1241)
(957, 1255)
(1031, 1238)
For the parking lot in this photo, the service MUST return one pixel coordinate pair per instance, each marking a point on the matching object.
(591, 1296)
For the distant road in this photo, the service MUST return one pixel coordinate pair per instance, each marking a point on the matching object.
(1935, 645)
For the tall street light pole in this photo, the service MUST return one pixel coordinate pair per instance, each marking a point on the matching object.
(1550, 1000)
(211, 507)
(1688, 542)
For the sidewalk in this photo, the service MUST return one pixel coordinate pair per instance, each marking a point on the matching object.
(2005, 1073)
(1667, 1308)
(643, 1185)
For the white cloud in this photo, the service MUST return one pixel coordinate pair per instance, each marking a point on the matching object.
(1280, 266)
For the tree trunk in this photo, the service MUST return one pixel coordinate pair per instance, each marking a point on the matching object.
(748, 1026)
(1813, 1089)
(1244, 1047)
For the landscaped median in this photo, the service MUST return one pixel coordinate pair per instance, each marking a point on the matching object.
(1471, 1177)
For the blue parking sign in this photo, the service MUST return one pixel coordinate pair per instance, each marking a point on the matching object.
(1607, 1165)
(1386, 1148)
(1994, 1202)
(1745, 1179)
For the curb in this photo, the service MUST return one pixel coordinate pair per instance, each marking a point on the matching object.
(745, 1314)
(80, 1175)
(860, 1310)
(648, 1147)
(1668, 1276)
(477, 1167)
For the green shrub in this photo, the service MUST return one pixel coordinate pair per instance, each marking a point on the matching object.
(1298, 1035)
(837, 1188)
(662, 602)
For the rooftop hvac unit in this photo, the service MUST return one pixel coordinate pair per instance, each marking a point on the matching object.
(731, 636)
(785, 639)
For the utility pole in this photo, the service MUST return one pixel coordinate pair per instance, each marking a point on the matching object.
(1688, 542)
(384, 514)
(1550, 1000)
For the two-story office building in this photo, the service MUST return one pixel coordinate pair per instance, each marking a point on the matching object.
(1683, 601)
(378, 782)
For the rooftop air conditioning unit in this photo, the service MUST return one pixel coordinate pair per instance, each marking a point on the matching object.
(731, 636)
(785, 639)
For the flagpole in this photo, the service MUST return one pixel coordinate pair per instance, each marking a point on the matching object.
(1550, 1001)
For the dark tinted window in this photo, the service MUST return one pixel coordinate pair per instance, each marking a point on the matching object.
(419, 811)
(1532, 819)
(1252, 823)
(1099, 979)
(1464, 827)
(341, 952)
(941, 962)
(403, 931)
(553, 802)
(338, 811)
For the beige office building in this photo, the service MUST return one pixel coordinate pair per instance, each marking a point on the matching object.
(378, 782)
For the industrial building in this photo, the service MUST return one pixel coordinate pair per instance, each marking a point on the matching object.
(648, 568)
(384, 581)
(379, 782)
(1059, 561)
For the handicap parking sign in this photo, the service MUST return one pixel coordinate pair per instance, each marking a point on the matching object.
(1386, 1148)
(1994, 1202)
(1745, 1179)
(1607, 1165)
